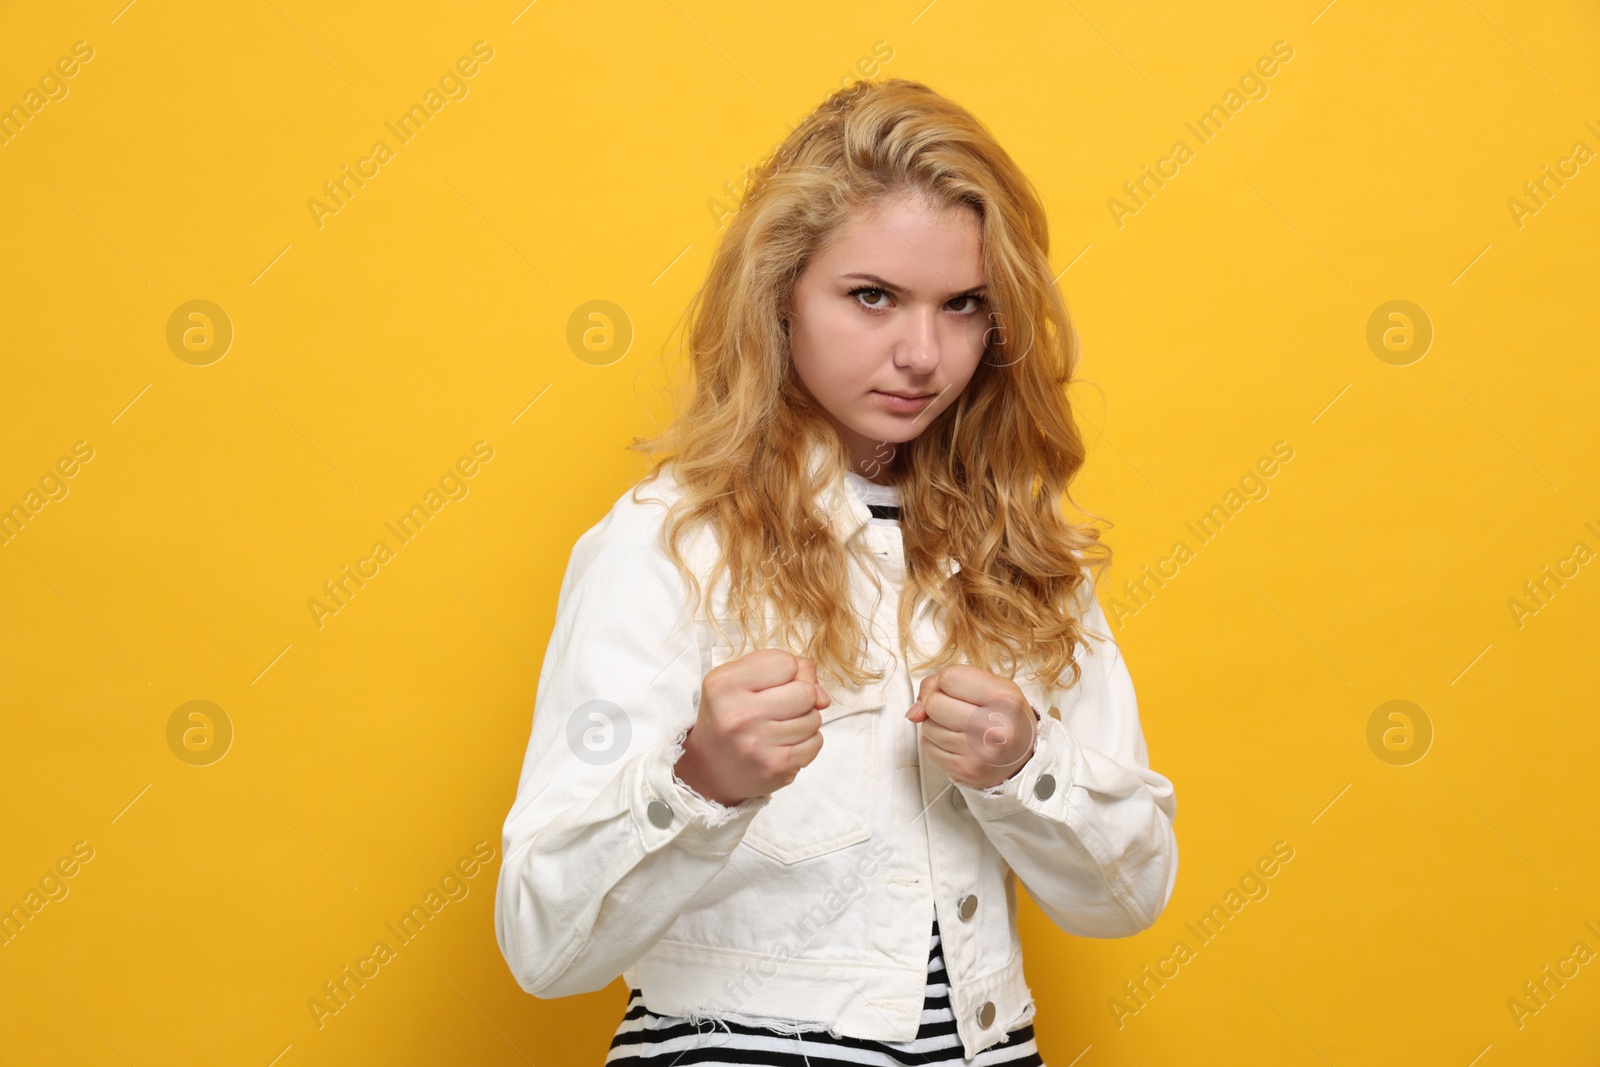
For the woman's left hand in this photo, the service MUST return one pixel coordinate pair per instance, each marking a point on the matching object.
(978, 727)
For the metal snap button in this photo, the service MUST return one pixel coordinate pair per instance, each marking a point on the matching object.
(986, 1014)
(660, 813)
(956, 799)
(1044, 786)
(967, 905)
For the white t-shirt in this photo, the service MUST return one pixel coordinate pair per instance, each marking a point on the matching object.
(872, 493)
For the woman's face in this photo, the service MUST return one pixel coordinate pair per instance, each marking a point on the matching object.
(891, 307)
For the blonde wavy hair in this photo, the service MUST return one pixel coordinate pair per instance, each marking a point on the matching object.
(982, 484)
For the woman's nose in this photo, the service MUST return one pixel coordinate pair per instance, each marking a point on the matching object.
(919, 349)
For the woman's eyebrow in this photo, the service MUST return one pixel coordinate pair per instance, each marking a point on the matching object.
(884, 283)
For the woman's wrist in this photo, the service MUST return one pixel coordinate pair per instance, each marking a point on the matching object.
(688, 772)
(1033, 745)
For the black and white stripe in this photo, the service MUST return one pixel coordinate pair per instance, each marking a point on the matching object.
(669, 1041)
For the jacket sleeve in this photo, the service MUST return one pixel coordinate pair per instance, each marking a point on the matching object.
(604, 846)
(1085, 823)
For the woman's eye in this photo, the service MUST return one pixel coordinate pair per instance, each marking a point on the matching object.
(868, 294)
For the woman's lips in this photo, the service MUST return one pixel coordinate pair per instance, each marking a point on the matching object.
(904, 405)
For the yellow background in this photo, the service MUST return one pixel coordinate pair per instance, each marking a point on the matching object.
(372, 752)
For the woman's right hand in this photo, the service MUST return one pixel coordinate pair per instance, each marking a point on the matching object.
(760, 722)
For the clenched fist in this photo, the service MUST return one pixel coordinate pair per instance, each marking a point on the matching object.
(760, 722)
(977, 727)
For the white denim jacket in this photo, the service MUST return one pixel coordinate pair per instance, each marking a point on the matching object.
(808, 908)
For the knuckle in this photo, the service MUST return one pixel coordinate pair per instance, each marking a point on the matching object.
(718, 683)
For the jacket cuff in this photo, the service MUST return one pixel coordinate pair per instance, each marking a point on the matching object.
(666, 808)
(1040, 786)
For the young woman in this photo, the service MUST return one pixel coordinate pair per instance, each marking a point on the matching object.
(832, 679)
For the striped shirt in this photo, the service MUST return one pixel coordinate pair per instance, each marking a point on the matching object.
(645, 1038)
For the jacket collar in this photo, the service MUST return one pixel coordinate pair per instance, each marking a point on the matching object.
(846, 512)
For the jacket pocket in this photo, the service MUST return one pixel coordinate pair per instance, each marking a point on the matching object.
(832, 802)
